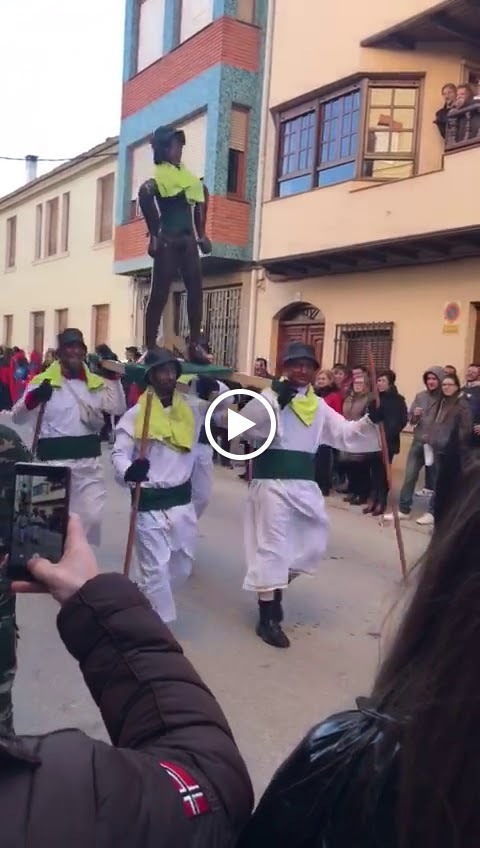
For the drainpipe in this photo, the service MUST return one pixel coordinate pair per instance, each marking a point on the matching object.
(257, 230)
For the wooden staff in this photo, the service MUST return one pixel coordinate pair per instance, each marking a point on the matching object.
(387, 466)
(137, 490)
(38, 427)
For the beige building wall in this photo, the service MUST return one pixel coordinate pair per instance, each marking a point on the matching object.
(412, 298)
(77, 279)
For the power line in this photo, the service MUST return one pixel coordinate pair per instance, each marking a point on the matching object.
(65, 159)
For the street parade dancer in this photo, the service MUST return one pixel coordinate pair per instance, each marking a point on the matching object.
(166, 528)
(174, 205)
(71, 401)
(286, 525)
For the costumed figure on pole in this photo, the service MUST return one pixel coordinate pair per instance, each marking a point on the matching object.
(174, 205)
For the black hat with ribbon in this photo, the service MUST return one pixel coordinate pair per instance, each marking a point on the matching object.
(71, 336)
(161, 139)
(299, 350)
(158, 357)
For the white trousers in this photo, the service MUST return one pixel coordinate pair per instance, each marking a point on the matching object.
(202, 478)
(286, 528)
(164, 543)
(87, 494)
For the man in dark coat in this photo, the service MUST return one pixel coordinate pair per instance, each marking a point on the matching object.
(174, 776)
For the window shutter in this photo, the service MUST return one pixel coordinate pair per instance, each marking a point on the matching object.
(196, 14)
(142, 166)
(238, 129)
(195, 150)
(246, 11)
(150, 32)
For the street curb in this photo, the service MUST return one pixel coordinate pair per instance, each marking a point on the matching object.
(336, 502)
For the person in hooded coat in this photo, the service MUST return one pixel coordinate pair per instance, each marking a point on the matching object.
(421, 415)
(74, 400)
(286, 525)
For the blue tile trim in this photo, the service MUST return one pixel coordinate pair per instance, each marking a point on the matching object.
(170, 31)
(130, 39)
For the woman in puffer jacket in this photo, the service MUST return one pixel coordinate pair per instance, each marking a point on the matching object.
(403, 769)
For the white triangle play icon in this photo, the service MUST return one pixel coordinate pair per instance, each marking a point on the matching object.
(237, 424)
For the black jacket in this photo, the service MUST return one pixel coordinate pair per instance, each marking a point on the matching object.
(174, 776)
(335, 791)
(395, 414)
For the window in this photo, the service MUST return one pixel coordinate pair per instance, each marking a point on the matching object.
(246, 11)
(328, 141)
(390, 132)
(194, 16)
(38, 331)
(7, 330)
(101, 320)
(352, 343)
(38, 231)
(237, 151)
(11, 251)
(104, 216)
(221, 321)
(151, 21)
(61, 320)
(52, 227)
(65, 221)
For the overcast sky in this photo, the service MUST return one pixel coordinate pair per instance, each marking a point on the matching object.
(60, 79)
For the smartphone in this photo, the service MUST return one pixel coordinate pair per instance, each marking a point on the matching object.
(39, 516)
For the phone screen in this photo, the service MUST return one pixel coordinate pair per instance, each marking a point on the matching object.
(40, 516)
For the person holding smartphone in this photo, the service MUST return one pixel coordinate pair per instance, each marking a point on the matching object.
(174, 776)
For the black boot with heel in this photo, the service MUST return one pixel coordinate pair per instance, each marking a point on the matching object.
(268, 627)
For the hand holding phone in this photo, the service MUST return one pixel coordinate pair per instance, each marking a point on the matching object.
(76, 567)
(39, 516)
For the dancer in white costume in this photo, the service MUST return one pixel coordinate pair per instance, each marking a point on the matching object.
(75, 400)
(286, 527)
(202, 475)
(166, 530)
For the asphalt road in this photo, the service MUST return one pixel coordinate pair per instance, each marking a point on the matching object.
(271, 697)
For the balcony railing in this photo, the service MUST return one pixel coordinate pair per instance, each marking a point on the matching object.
(463, 127)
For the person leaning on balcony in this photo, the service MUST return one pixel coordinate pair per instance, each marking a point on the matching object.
(467, 125)
(449, 94)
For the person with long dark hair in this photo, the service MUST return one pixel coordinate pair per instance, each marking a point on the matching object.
(395, 419)
(402, 770)
(325, 388)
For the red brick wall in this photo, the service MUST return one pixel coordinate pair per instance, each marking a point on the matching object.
(226, 41)
(228, 222)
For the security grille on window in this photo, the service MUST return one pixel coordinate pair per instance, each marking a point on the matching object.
(352, 342)
(221, 321)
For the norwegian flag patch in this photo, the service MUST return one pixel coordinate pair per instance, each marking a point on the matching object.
(194, 801)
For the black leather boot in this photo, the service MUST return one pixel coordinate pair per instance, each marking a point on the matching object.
(268, 628)
(277, 606)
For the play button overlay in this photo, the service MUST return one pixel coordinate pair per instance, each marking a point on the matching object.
(237, 424)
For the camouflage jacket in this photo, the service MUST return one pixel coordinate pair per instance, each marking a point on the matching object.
(12, 450)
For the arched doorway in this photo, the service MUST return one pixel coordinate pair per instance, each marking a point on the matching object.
(300, 322)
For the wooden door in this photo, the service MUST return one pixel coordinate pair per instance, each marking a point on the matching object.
(101, 319)
(38, 331)
(476, 341)
(308, 333)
